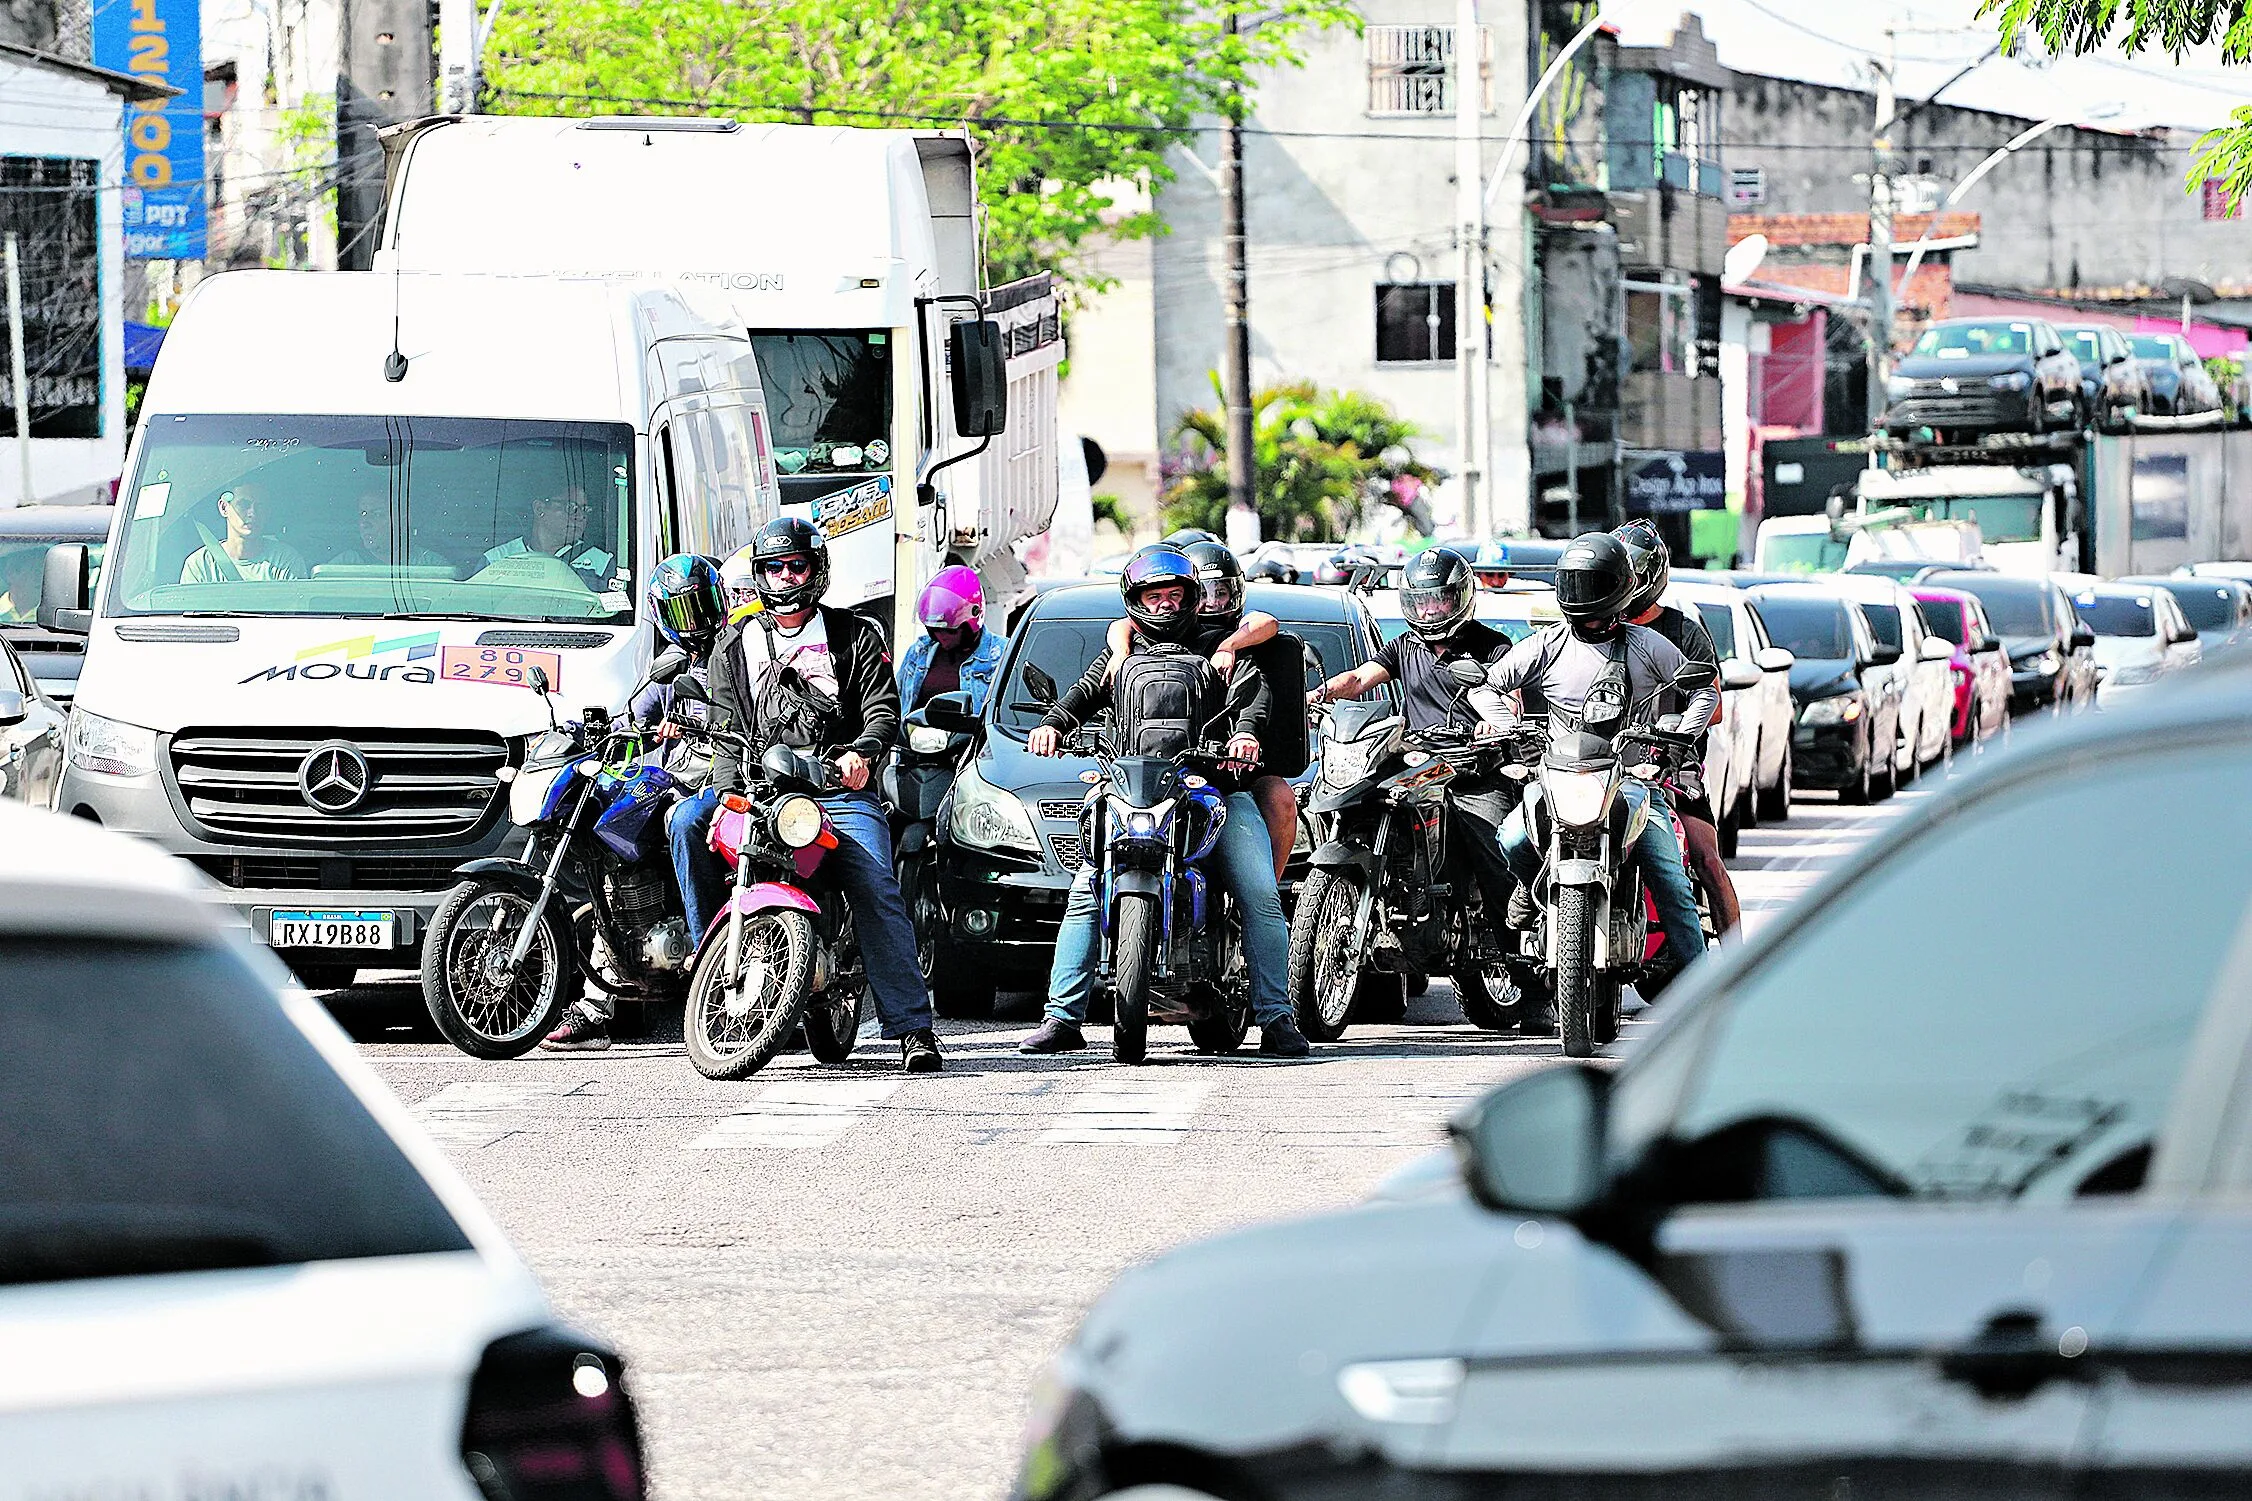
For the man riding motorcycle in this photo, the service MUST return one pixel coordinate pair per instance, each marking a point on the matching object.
(956, 652)
(794, 671)
(1653, 566)
(1551, 673)
(1159, 586)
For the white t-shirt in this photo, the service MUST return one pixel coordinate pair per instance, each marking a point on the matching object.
(806, 649)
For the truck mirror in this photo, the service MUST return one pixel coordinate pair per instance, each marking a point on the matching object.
(63, 591)
(976, 351)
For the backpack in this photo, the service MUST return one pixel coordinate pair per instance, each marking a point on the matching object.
(1162, 702)
(1285, 738)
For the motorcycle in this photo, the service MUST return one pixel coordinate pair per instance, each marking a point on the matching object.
(915, 786)
(592, 897)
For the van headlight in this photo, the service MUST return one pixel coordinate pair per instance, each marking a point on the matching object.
(797, 822)
(987, 818)
(1579, 797)
(110, 747)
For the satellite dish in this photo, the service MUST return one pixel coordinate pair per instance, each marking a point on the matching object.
(1743, 259)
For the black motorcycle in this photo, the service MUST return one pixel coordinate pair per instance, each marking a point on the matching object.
(915, 784)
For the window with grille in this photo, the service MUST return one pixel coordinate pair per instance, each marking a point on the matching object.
(1414, 322)
(1411, 70)
(48, 203)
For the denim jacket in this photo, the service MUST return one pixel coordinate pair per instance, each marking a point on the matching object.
(977, 672)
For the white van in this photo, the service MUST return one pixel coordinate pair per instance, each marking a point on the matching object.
(359, 510)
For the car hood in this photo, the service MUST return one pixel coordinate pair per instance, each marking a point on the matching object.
(1930, 367)
(2161, 372)
(2127, 651)
(1821, 677)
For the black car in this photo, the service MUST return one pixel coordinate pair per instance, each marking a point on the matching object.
(2052, 655)
(1009, 837)
(2218, 609)
(1986, 375)
(26, 533)
(2112, 380)
(2179, 383)
(1846, 716)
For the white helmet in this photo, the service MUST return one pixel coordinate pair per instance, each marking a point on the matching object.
(740, 574)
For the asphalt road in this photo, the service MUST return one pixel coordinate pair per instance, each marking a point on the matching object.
(842, 1282)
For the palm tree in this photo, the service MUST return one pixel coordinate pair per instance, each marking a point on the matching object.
(1319, 461)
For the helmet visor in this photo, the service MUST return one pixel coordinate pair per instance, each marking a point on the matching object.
(687, 613)
(1431, 606)
(1586, 588)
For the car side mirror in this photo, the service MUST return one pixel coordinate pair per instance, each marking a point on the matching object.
(1466, 673)
(1737, 674)
(1883, 655)
(1535, 1146)
(1774, 659)
(2082, 636)
(950, 712)
(977, 356)
(1938, 649)
(14, 708)
(64, 590)
(1987, 643)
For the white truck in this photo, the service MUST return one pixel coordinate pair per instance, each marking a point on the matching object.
(2028, 518)
(359, 511)
(849, 256)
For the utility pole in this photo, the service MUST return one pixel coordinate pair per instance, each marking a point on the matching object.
(1470, 271)
(16, 376)
(1235, 358)
(385, 75)
(1880, 235)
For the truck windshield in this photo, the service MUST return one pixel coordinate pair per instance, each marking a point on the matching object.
(828, 394)
(2000, 518)
(482, 518)
(1800, 552)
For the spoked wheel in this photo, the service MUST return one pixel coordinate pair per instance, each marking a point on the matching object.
(1223, 1030)
(1136, 956)
(1324, 971)
(481, 1005)
(1489, 999)
(737, 1020)
(832, 1018)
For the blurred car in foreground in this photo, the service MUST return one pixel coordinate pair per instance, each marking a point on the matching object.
(1979, 666)
(2141, 636)
(1845, 689)
(230, 1265)
(1975, 1221)
(26, 532)
(2218, 608)
(2052, 655)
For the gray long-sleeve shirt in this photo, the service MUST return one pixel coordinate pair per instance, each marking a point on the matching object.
(1554, 670)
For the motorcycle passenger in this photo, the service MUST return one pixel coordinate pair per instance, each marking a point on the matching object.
(1160, 586)
(1439, 601)
(688, 606)
(1653, 566)
(739, 576)
(956, 651)
(797, 672)
(1553, 671)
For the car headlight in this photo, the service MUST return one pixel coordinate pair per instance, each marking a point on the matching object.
(1579, 797)
(2045, 664)
(1842, 709)
(1900, 387)
(987, 818)
(797, 822)
(109, 747)
(2011, 380)
(926, 740)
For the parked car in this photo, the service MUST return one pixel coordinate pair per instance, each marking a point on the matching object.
(2179, 384)
(1846, 695)
(26, 532)
(1986, 375)
(1756, 708)
(2052, 655)
(1979, 667)
(31, 735)
(1927, 683)
(230, 1263)
(1009, 834)
(2141, 635)
(1900, 570)
(2218, 608)
(1969, 1221)
(2113, 386)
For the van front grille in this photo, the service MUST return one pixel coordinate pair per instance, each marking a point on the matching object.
(370, 786)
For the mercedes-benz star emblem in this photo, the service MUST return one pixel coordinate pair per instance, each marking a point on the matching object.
(334, 776)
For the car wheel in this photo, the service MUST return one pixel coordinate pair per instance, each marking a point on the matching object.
(1856, 791)
(1775, 802)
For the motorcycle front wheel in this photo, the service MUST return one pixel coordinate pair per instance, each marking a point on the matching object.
(1324, 978)
(479, 1005)
(1575, 979)
(832, 1018)
(736, 1021)
(1136, 957)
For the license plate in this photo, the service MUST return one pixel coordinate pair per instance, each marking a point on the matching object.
(333, 930)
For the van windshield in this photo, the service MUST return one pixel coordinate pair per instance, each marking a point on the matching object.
(480, 518)
(1800, 552)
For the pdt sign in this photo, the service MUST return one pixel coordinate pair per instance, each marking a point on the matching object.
(162, 41)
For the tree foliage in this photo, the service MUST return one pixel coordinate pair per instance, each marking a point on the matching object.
(1061, 96)
(2169, 26)
(1322, 458)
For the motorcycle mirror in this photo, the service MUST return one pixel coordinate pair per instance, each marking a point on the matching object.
(669, 665)
(793, 769)
(1694, 677)
(537, 679)
(1043, 686)
(1466, 672)
(688, 690)
(951, 712)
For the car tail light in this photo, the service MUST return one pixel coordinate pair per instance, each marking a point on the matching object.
(549, 1420)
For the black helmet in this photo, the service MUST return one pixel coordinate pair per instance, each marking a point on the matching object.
(1438, 592)
(1151, 566)
(1219, 584)
(1594, 581)
(790, 537)
(1652, 560)
(688, 602)
(1187, 536)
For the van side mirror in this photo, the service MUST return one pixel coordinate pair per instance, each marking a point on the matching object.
(63, 590)
(977, 352)
(950, 712)
(1535, 1146)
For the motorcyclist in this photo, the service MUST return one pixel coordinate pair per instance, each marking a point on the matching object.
(1552, 672)
(1160, 587)
(739, 576)
(956, 651)
(689, 607)
(794, 671)
(1653, 566)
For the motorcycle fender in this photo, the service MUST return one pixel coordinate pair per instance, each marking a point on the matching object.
(762, 897)
(915, 840)
(1579, 872)
(512, 874)
(1337, 800)
(1338, 855)
(1138, 883)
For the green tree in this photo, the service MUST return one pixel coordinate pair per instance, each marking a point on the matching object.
(2135, 26)
(1061, 96)
(1321, 459)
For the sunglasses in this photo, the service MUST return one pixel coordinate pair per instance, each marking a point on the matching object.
(786, 567)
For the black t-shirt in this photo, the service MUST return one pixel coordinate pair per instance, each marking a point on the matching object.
(1434, 699)
(1692, 640)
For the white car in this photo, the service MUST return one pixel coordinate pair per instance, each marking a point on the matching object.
(1755, 708)
(1926, 668)
(230, 1264)
(2141, 636)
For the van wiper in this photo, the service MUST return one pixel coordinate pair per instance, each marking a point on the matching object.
(432, 615)
(216, 614)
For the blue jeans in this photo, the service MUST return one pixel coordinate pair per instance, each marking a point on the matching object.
(860, 867)
(1246, 865)
(1657, 853)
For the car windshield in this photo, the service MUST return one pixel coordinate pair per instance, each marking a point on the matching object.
(178, 1121)
(1884, 623)
(483, 518)
(828, 395)
(2151, 346)
(1999, 518)
(1062, 646)
(2015, 609)
(2208, 607)
(1963, 341)
(2116, 614)
(1801, 552)
(2085, 345)
(1946, 619)
(1720, 623)
(1815, 628)
(1892, 568)
(23, 564)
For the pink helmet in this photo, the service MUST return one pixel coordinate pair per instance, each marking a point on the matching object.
(951, 600)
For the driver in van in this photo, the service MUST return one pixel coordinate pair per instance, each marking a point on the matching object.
(253, 551)
(558, 531)
(378, 513)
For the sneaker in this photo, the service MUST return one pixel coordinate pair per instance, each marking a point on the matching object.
(582, 1032)
(1281, 1038)
(1054, 1037)
(1521, 909)
(918, 1052)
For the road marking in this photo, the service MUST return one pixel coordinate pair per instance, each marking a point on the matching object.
(479, 1112)
(1410, 1114)
(1122, 1112)
(806, 1113)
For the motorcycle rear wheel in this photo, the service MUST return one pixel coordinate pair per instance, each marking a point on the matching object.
(1223, 1029)
(478, 1010)
(1135, 957)
(774, 979)
(833, 1018)
(1324, 979)
(1575, 981)
(1474, 991)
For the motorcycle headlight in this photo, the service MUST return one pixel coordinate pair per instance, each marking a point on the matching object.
(2011, 380)
(552, 748)
(925, 740)
(987, 818)
(1579, 797)
(1344, 762)
(1843, 709)
(797, 822)
(110, 747)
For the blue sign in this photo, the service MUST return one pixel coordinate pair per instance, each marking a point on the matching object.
(160, 40)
